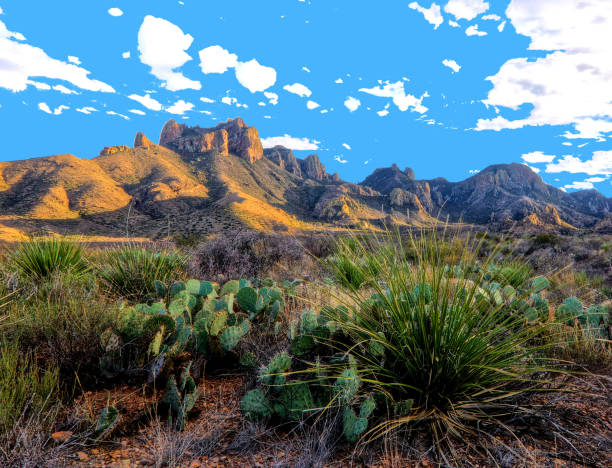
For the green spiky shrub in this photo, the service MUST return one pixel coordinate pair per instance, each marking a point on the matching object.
(433, 348)
(130, 272)
(39, 259)
(24, 386)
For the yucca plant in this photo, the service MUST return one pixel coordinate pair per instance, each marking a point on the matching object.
(434, 347)
(38, 259)
(130, 271)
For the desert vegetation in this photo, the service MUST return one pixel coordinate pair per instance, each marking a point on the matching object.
(436, 347)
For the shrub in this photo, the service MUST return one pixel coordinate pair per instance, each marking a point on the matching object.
(428, 347)
(244, 254)
(24, 387)
(130, 271)
(39, 259)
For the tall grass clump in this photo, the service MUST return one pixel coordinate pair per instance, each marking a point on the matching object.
(129, 272)
(442, 340)
(24, 386)
(39, 259)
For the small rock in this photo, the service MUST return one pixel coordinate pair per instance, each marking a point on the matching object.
(61, 436)
(195, 464)
(82, 456)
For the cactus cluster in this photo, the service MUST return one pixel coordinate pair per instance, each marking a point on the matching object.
(107, 421)
(595, 320)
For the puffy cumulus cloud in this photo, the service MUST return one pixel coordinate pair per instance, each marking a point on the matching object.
(383, 113)
(474, 171)
(162, 46)
(538, 157)
(126, 55)
(180, 107)
(339, 158)
(115, 11)
(599, 164)
(312, 105)
(215, 59)
(339, 81)
(20, 61)
(137, 112)
(352, 103)
(86, 110)
(123, 116)
(294, 143)
(252, 75)
(147, 101)
(474, 31)
(466, 9)
(397, 93)
(229, 100)
(346, 145)
(73, 59)
(207, 100)
(491, 17)
(255, 77)
(38, 85)
(299, 89)
(57, 111)
(454, 66)
(534, 169)
(272, 97)
(432, 14)
(569, 85)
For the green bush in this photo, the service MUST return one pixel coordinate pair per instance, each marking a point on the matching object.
(40, 258)
(130, 272)
(430, 347)
(24, 387)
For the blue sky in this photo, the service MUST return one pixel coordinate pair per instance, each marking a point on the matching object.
(445, 87)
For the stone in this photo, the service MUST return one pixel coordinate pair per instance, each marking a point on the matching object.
(61, 436)
(141, 141)
(107, 150)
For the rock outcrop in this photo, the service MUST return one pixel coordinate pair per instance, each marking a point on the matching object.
(231, 137)
(284, 158)
(113, 149)
(141, 141)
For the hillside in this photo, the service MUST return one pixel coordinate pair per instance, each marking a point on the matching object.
(205, 180)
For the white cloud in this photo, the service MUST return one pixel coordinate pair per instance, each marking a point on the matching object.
(396, 91)
(207, 100)
(596, 180)
(339, 81)
(599, 164)
(312, 105)
(299, 89)
(306, 69)
(534, 169)
(147, 101)
(62, 89)
(272, 97)
(137, 112)
(255, 77)
(38, 85)
(19, 62)
(73, 59)
(294, 143)
(338, 158)
(57, 111)
(432, 14)
(454, 24)
(491, 17)
(501, 26)
(125, 117)
(179, 107)
(229, 100)
(473, 31)
(454, 66)
(538, 157)
(584, 185)
(571, 84)
(383, 113)
(162, 46)
(115, 11)
(352, 103)
(474, 171)
(466, 9)
(324, 111)
(86, 110)
(126, 54)
(346, 145)
(215, 59)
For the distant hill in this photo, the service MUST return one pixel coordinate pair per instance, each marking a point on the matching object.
(206, 180)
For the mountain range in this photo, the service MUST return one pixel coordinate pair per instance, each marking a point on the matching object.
(201, 181)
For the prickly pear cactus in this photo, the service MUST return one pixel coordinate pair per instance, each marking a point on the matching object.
(273, 374)
(255, 405)
(107, 422)
(181, 397)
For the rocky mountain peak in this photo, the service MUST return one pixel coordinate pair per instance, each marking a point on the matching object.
(141, 141)
(231, 137)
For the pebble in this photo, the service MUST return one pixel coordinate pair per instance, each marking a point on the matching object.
(61, 436)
